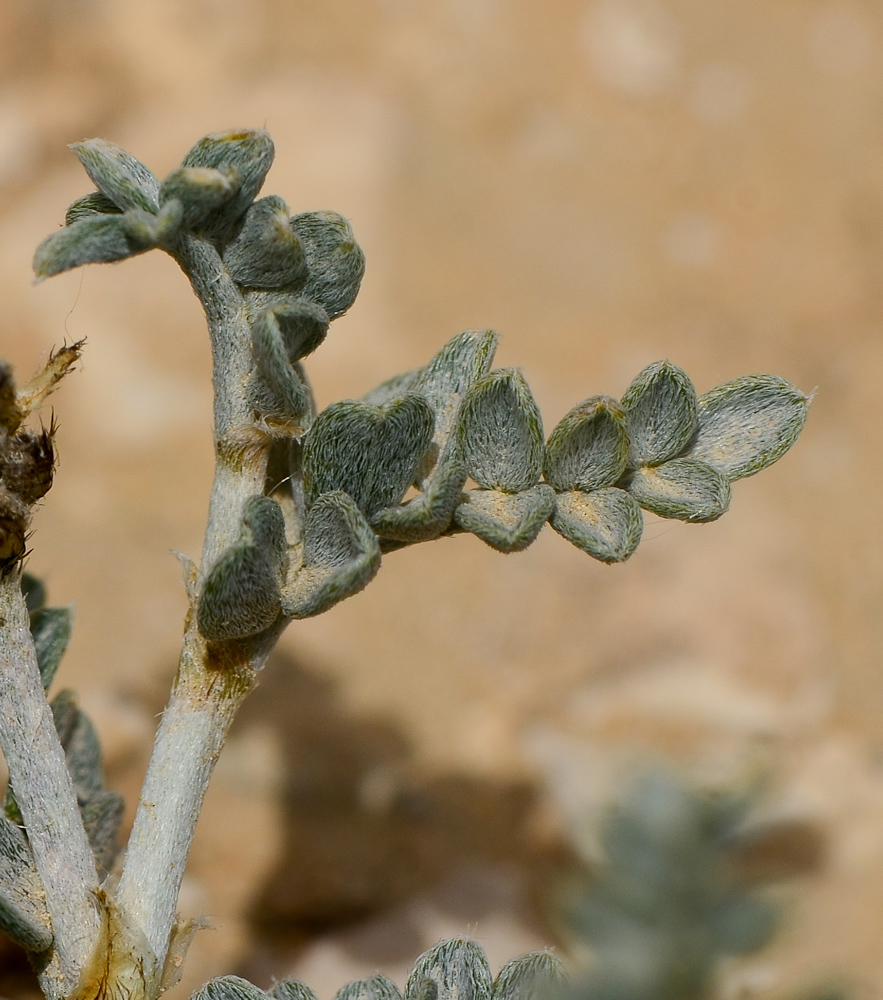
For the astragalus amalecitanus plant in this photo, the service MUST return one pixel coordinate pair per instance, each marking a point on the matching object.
(305, 503)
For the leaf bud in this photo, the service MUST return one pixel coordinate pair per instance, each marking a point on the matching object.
(27, 464)
(452, 970)
(748, 423)
(90, 205)
(684, 488)
(249, 152)
(606, 523)
(372, 453)
(501, 433)
(266, 252)
(589, 448)
(660, 408)
(536, 976)
(335, 261)
(229, 988)
(291, 989)
(376, 987)
(118, 175)
(202, 191)
(95, 239)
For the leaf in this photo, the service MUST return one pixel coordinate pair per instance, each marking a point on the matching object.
(744, 924)
(370, 452)
(660, 408)
(248, 152)
(376, 987)
(508, 522)
(51, 629)
(229, 988)
(683, 488)
(23, 913)
(452, 970)
(266, 252)
(202, 191)
(392, 388)
(291, 989)
(281, 391)
(102, 816)
(241, 596)
(82, 749)
(606, 523)
(341, 556)
(96, 239)
(34, 592)
(335, 261)
(302, 324)
(589, 448)
(94, 203)
(501, 433)
(536, 976)
(118, 175)
(748, 423)
(427, 515)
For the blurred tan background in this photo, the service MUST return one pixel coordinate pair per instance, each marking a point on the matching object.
(607, 182)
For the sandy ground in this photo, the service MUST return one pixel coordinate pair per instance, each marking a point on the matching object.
(608, 183)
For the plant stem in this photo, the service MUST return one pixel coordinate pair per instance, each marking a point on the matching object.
(213, 678)
(45, 795)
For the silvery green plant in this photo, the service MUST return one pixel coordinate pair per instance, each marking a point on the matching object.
(305, 504)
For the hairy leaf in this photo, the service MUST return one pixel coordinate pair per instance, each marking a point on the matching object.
(508, 522)
(23, 914)
(341, 555)
(118, 175)
(229, 988)
(335, 261)
(89, 205)
(248, 152)
(370, 452)
(376, 987)
(291, 989)
(302, 324)
(102, 816)
(589, 448)
(96, 239)
(427, 515)
(535, 976)
(266, 252)
(51, 629)
(501, 433)
(201, 191)
(683, 488)
(748, 423)
(453, 970)
(606, 523)
(660, 408)
(34, 592)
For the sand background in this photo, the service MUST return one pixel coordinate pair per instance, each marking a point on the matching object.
(607, 183)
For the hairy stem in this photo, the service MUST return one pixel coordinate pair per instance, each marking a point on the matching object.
(46, 798)
(212, 679)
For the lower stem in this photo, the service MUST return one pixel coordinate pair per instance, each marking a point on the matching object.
(46, 798)
(209, 688)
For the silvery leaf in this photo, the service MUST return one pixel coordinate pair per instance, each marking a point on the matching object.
(370, 452)
(23, 913)
(202, 191)
(660, 408)
(335, 261)
(427, 515)
(589, 448)
(89, 205)
(266, 252)
(748, 423)
(501, 433)
(606, 523)
(453, 970)
(536, 976)
(508, 522)
(102, 816)
(51, 629)
(94, 239)
(118, 175)
(341, 555)
(229, 988)
(684, 488)
(291, 989)
(376, 987)
(303, 325)
(248, 152)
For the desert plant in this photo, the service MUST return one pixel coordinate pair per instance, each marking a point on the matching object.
(304, 504)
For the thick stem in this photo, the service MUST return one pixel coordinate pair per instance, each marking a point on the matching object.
(207, 692)
(46, 798)
(212, 679)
